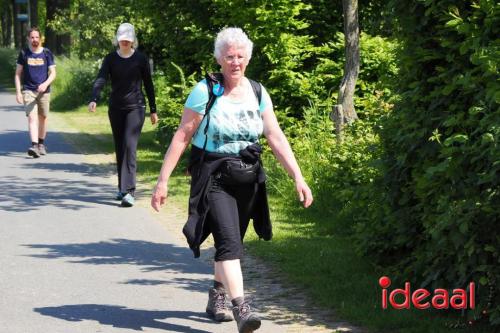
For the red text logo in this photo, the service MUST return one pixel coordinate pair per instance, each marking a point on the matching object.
(423, 299)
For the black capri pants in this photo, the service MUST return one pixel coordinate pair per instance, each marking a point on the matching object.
(230, 208)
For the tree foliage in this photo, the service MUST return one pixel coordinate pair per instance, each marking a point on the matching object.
(292, 39)
(442, 154)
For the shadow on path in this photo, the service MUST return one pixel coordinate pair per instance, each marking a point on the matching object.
(151, 256)
(17, 141)
(198, 284)
(21, 195)
(94, 170)
(57, 142)
(13, 108)
(122, 317)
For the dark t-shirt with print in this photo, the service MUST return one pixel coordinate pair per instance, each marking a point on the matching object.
(35, 67)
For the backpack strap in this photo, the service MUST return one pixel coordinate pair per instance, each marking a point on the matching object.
(257, 89)
(212, 80)
(44, 50)
(23, 53)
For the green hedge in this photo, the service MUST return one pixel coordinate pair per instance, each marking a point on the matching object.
(439, 223)
(7, 70)
(73, 84)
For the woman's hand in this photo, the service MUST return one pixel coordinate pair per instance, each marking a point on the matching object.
(92, 106)
(304, 192)
(159, 196)
(154, 118)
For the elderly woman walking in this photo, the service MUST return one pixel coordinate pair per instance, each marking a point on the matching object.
(223, 118)
(128, 70)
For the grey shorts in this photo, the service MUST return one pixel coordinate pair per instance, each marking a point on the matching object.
(37, 102)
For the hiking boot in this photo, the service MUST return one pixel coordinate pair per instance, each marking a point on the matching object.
(246, 320)
(42, 150)
(33, 151)
(216, 307)
(128, 200)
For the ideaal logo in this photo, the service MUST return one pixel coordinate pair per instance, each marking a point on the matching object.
(423, 299)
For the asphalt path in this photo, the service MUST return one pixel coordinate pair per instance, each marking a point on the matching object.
(72, 260)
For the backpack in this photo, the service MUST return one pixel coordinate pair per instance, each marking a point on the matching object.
(215, 83)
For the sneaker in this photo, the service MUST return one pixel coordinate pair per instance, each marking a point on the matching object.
(128, 200)
(216, 307)
(42, 149)
(119, 195)
(246, 320)
(33, 151)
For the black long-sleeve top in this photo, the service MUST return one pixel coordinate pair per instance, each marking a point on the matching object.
(127, 75)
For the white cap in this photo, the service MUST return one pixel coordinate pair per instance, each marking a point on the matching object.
(125, 32)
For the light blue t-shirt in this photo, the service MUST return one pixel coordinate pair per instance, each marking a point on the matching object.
(234, 125)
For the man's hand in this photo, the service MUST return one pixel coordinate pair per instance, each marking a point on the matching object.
(92, 106)
(42, 88)
(19, 97)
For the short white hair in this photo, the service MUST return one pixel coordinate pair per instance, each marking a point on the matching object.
(234, 37)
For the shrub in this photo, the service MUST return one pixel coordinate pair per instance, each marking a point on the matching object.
(439, 225)
(341, 176)
(73, 84)
(170, 98)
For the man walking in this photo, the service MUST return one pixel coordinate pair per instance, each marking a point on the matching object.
(37, 67)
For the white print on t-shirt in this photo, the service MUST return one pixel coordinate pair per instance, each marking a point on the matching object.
(35, 61)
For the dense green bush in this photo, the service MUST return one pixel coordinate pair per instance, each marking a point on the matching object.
(342, 175)
(339, 175)
(7, 70)
(439, 226)
(172, 88)
(73, 85)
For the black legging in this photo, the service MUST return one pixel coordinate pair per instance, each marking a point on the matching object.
(126, 125)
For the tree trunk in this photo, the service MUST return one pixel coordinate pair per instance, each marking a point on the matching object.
(18, 39)
(346, 112)
(33, 10)
(63, 40)
(337, 116)
(6, 24)
(57, 43)
(50, 35)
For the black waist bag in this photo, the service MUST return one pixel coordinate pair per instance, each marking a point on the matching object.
(236, 172)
